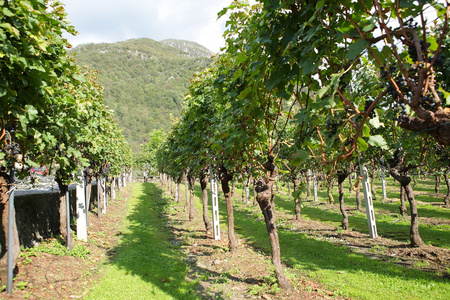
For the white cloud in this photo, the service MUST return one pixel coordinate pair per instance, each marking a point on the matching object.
(114, 20)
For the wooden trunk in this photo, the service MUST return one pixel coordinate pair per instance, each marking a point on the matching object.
(225, 179)
(264, 197)
(204, 185)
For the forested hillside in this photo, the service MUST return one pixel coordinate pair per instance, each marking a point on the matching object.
(145, 81)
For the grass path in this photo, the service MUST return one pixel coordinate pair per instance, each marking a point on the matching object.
(337, 268)
(144, 265)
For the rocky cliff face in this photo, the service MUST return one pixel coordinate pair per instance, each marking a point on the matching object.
(191, 49)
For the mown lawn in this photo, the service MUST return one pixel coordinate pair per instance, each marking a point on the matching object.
(144, 265)
(337, 268)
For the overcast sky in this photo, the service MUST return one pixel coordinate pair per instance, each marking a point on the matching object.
(118, 20)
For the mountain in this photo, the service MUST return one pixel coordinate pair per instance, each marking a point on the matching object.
(144, 80)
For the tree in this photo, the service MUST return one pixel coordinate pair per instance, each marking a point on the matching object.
(51, 108)
(32, 50)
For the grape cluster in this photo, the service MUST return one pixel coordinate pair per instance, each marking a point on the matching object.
(106, 169)
(439, 60)
(412, 50)
(11, 147)
(384, 73)
(411, 23)
(367, 104)
(428, 103)
(332, 127)
(403, 87)
(442, 153)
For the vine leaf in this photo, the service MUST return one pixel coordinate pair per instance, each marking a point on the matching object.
(377, 141)
(356, 48)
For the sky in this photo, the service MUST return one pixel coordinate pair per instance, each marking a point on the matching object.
(109, 21)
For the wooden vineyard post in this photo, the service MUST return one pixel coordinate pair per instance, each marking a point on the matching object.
(369, 204)
(81, 211)
(215, 204)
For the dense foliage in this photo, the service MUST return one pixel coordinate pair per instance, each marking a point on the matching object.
(52, 111)
(321, 85)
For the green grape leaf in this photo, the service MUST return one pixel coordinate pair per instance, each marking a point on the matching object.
(362, 145)
(377, 141)
(356, 48)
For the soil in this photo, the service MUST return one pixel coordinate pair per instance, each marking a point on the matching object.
(243, 274)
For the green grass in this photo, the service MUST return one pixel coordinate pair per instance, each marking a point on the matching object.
(337, 268)
(389, 222)
(145, 264)
(55, 246)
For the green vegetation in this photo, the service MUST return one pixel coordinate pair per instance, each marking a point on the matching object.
(146, 265)
(338, 268)
(145, 81)
(322, 88)
(52, 110)
(53, 246)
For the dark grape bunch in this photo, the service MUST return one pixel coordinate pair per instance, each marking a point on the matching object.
(367, 104)
(106, 169)
(410, 23)
(442, 153)
(332, 127)
(399, 102)
(428, 103)
(11, 148)
(384, 73)
(439, 60)
(412, 51)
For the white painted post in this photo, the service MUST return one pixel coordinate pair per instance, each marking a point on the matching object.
(81, 212)
(309, 175)
(315, 186)
(69, 231)
(369, 204)
(10, 236)
(215, 205)
(103, 183)
(247, 191)
(383, 183)
(113, 189)
(124, 179)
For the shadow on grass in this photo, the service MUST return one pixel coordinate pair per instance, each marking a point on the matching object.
(357, 272)
(358, 222)
(146, 251)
